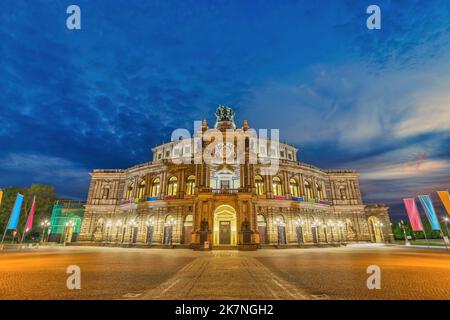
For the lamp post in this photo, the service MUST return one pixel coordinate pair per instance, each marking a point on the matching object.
(299, 224)
(108, 230)
(171, 223)
(150, 224)
(331, 225)
(133, 223)
(340, 228)
(446, 221)
(67, 227)
(279, 223)
(118, 224)
(402, 226)
(45, 226)
(316, 225)
(379, 228)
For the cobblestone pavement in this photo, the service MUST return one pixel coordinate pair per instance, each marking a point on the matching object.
(334, 273)
(225, 275)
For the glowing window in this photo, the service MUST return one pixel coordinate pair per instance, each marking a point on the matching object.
(293, 187)
(320, 194)
(190, 185)
(156, 186)
(173, 186)
(129, 191)
(141, 189)
(276, 186)
(308, 190)
(259, 185)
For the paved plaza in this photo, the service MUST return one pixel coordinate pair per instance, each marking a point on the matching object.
(321, 273)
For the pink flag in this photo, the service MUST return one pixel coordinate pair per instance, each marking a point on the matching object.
(413, 214)
(31, 216)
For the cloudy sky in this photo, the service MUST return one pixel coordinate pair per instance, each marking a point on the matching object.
(347, 97)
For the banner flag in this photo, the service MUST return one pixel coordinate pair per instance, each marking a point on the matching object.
(427, 205)
(445, 198)
(413, 214)
(31, 216)
(14, 218)
(1, 196)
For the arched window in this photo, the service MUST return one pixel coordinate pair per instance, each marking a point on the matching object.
(293, 187)
(156, 186)
(342, 193)
(129, 191)
(308, 190)
(276, 186)
(320, 194)
(190, 185)
(105, 193)
(141, 189)
(261, 219)
(259, 185)
(173, 186)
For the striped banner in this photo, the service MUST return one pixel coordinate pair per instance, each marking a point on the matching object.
(445, 198)
(413, 214)
(427, 205)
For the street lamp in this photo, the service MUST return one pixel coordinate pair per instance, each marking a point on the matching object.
(150, 224)
(132, 223)
(299, 231)
(67, 227)
(316, 224)
(108, 230)
(118, 224)
(331, 225)
(402, 226)
(379, 226)
(171, 223)
(340, 225)
(446, 221)
(45, 225)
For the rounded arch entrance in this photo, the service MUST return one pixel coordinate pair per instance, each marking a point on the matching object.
(225, 230)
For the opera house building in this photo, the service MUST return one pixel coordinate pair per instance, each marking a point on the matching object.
(228, 187)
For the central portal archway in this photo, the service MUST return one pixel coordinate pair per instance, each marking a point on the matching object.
(225, 231)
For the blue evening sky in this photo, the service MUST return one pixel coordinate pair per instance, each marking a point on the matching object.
(347, 97)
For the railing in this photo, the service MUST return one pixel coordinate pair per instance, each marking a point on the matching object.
(225, 191)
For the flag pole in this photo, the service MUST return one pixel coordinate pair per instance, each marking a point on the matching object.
(4, 234)
(29, 216)
(442, 235)
(6, 229)
(26, 222)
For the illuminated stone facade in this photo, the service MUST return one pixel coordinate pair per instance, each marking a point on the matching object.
(177, 200)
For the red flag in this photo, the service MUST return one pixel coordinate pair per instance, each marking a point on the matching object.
(413, 214)
(31, 216)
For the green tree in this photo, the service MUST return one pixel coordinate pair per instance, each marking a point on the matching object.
(45, 198)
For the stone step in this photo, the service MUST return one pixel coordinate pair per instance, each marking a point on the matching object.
(224, 247)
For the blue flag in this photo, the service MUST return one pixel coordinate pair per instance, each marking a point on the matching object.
(14, 219)
(429, 210)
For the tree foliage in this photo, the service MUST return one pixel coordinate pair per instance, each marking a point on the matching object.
(430, 234)
(45, 198)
